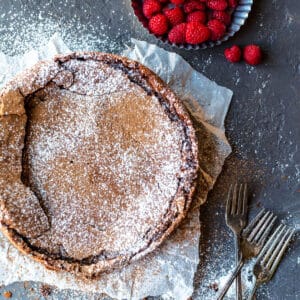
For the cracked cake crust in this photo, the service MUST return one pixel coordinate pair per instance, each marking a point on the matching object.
(124, 150)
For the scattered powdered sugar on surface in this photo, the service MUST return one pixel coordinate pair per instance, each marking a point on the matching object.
(26, 29)
(217, 275)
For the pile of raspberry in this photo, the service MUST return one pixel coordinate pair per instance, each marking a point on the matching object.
(189, 21)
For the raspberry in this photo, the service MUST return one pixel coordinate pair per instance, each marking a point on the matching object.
(222, 16)
(151, 7)
(196, 33)
(217, 4)
(233, 3)
(197, 16)
(158, 24)
(217, 29)
(192, 5)
(233, 54)
(177, 2)
(177, 34)
(252, 54)
(175, 15)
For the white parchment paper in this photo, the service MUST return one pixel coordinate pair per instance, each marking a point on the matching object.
(168, 271)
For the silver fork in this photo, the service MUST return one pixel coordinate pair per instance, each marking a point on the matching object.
(270, 256)
(236, 219)
(253, 239)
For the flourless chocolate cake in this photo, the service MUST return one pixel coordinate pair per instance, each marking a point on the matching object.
(98, 162)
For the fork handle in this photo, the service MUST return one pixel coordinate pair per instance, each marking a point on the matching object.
(231, 279)
(238, 282)
(251, 295)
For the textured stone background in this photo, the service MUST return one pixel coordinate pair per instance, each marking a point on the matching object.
(262, 124)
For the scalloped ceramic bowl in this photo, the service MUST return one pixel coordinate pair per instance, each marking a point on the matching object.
(239, 17)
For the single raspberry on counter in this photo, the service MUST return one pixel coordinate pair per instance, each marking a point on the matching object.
(217, 4)
(158, 24)
(193, 5)
(197, 16)
(7, 294)
(233, 54)
(196, 33)
(252, 54)
(233, 3)
(175, 15)
(217, 29)
(177, 34)
(222, 16)
(151, 7)
(177, 2)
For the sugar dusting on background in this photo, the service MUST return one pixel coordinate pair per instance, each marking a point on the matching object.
(28, 28)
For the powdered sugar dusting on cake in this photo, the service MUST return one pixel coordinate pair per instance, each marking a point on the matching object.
(89, 81)
(104, 159)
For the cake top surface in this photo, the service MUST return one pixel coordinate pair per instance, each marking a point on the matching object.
(103, 166)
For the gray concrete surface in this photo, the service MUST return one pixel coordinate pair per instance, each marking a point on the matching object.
(262, 123)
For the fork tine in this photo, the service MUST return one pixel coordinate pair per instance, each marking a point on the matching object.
(271, 244)
(229, 201)
(250, 226)
(245, 198)
(241, 199)
(234, 200)
(281, 252)
(266, 231)
(278, 247)
(267, 225)
(258, 226)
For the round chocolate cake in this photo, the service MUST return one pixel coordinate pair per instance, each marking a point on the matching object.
(98, 162)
